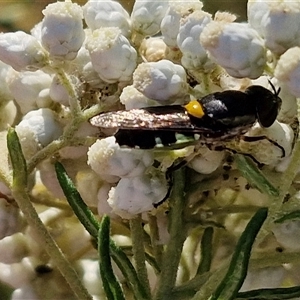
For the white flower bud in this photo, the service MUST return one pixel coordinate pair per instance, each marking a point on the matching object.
(58, 91)
(206, 161)
(146, 16)
(102, 196)
(28, 89)
(91, 278)
(271, 277)
(171, 22)
(136, 195)
(278, 22)
(188, 40)
(153, 49)
(236, 47)
(288, 70)
(13, 248)
(289, 105)
(112, 56)
(28, 140)
(25, 292)
(43, 124)
(263, 150)
(5, 94)
(106, 13)
(17, 274)
(132, 98)
(36, 31)
(62, 30)
(288, 234)
(22, 51)
(83, 68)
(8, 114)
(162, 81)
(107, 158)
(88, 184)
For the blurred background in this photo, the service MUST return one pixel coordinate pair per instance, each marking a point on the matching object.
(24, 14)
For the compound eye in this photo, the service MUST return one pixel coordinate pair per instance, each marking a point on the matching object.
(267, 111)
(195, 109)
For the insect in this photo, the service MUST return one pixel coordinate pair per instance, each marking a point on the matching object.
(211, 120)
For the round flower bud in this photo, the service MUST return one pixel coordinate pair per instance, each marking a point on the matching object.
(25, 292)
(83, 68)
(13, 248)
(162, 81)
(5, 93)
(17, 274)
(43, 124)
(194, 56)
(278, 22)
(264, 150)
(153, 49)
(171, 22)
(146, 16)
(58, 91)
(271, 277)
(29, 89)
(62, 31)
(236, 47)
(106, 13)
(136, 195)
(22, 51)
(288, 70)
(288, 234)
(107, 158)
(132, 98)
(206, 161)
(112, 56)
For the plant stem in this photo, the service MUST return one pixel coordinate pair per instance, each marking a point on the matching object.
(20, 194)
(137, 236)
(172, 254)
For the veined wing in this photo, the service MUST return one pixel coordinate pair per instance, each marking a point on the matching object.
(155, 118)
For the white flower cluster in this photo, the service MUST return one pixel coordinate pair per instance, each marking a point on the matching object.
(138, 189)
(83, 60)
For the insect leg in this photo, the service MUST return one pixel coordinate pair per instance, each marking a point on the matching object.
(262, 137)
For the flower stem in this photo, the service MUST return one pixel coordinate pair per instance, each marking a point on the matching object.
(139, 252)
(177, 230)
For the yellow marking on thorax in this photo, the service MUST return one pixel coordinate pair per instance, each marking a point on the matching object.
(195, 109)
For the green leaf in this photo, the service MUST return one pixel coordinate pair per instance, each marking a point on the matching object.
(83, 213)
(206, 251)
(271, 294)
(294, 215)
(111, 285)
(238, 267)
(254, 176)
(17, 159)
(88, 220)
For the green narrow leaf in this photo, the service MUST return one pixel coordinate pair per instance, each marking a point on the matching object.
(17, 159)
(294, 215)
(138, 250)
(238, 267)
(84, 214)
(177, 230)
(206, 251)
(86, 217)
(254, 176)
(111, 285)
(271, 294)
(128, 271)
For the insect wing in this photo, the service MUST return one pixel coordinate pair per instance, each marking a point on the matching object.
(155, 118)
